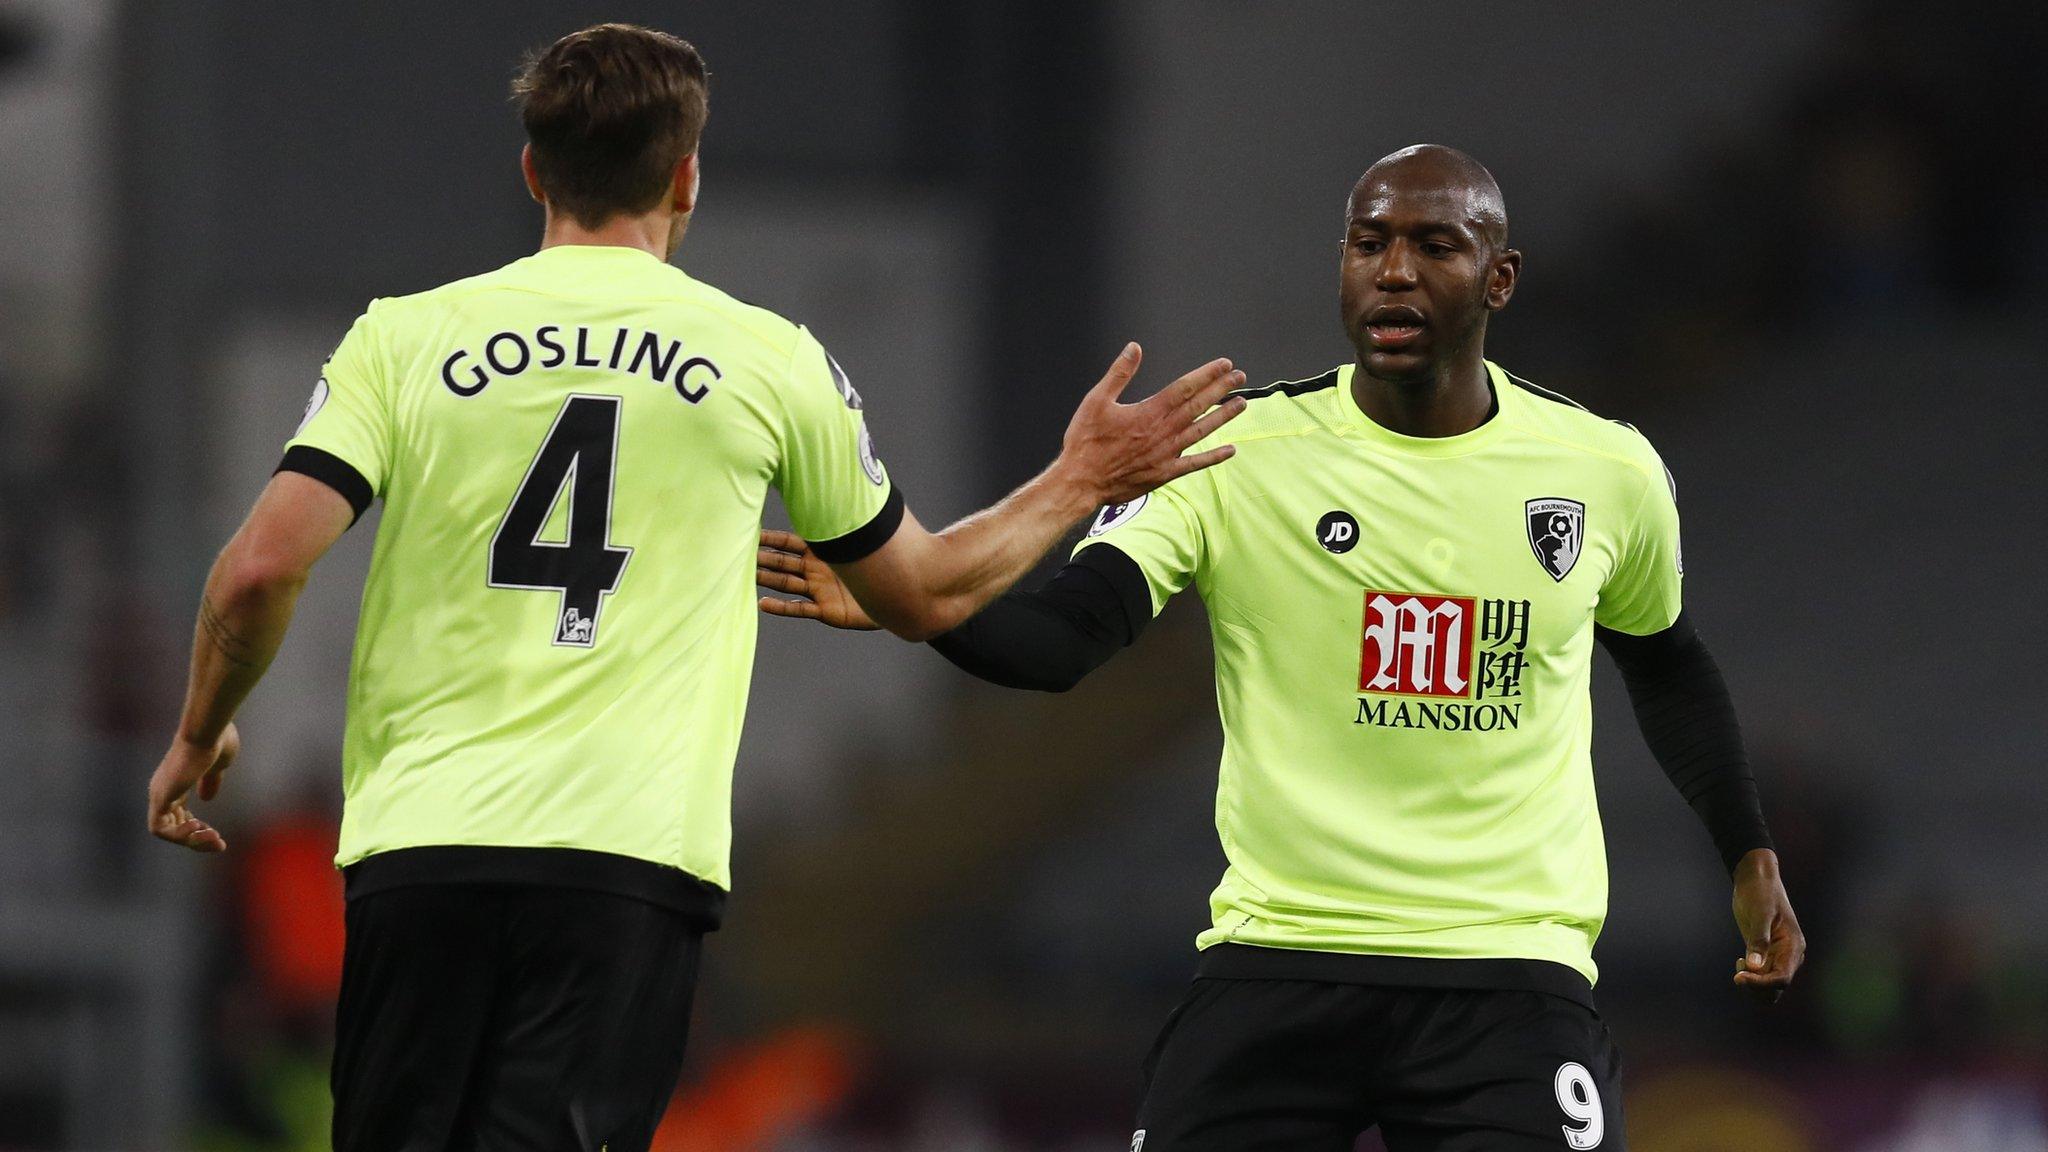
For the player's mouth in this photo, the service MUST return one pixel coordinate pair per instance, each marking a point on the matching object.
(1394, 327)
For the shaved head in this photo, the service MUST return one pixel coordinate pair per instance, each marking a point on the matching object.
(1436, 170)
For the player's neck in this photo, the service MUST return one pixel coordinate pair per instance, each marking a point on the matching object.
(1456, 400)
(649, 233)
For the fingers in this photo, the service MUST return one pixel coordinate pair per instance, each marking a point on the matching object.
(781, 582)
(1210, 384)
(795, 609)
(1222, 414)
(1118, 377)
(179, 826)
(1198, 389)
(775, 561)
(1186, 464)
(1768, 973)
(783, 541)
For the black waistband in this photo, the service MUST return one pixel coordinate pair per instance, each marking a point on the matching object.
(545, 867)
(1254, 962)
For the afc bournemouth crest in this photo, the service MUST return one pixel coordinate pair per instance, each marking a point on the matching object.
(1557, 531)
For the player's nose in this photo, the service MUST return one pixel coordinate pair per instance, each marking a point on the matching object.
(1396, 269)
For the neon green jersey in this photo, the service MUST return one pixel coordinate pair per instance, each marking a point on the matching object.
(1403, 631)
(558, 627)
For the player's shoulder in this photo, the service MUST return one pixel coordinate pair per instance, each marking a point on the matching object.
(1556, 417)
(1283, 408)
(772, 328)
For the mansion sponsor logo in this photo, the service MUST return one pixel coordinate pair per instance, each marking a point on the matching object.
(1451, 663)
(1450, 716)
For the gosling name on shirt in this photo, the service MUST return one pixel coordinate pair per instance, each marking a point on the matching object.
(467, 372)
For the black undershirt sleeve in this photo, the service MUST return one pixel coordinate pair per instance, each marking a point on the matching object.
(1687, 718)
(1048, 638)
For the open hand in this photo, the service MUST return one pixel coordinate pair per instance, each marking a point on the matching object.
(1122, 451)
(787, 564)
(188, 766)
(1773, 945)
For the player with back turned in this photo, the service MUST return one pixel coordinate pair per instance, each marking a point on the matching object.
(556, 636)
(1405, 570)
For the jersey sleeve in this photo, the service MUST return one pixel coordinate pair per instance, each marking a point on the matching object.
(344, 440)
(1642, 594)
(1165, 532)
(838, 494)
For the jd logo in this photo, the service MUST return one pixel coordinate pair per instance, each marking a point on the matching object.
(1337, 532)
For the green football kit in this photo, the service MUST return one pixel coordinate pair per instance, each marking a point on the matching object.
(558, 627)
(1403, 630)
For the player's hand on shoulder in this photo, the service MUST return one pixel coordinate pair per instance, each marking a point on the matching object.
(1773, 945)
(786, 564)
(1122, 451)
(187, 767)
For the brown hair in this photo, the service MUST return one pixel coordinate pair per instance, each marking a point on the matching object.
(610, 111)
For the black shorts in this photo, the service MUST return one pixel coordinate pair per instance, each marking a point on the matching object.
(507, 1016)
(1252, 1065)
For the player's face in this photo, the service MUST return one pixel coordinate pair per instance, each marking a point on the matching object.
(1418, 278)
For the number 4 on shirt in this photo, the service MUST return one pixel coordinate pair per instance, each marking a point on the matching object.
(585, 566)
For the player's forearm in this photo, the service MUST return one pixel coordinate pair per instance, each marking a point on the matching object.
(1049, 638)
(960, 570)
(1688, 719)
(243, 615)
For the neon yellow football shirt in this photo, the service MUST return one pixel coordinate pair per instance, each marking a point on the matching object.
(558, 627)
(1403, 631)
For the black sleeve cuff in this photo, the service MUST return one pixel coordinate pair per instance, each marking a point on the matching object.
(332, 471)
(1123, 574)
(866, 539)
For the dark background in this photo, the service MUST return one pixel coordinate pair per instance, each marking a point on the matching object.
(1797, 245)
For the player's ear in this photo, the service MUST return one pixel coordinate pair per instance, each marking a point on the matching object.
(684, 188)
(532, 175)
(1507, 268)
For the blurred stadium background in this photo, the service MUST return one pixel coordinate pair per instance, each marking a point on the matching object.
(1800, 245)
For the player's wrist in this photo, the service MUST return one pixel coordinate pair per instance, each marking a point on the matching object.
(196, 737)
(1757, 864)
(1072, 490)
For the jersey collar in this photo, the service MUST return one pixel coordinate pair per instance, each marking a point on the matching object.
(1366, 430)
(603, 262)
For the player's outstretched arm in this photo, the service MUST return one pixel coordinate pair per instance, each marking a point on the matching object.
(1046, 639)
(243, 615)
(923, 583)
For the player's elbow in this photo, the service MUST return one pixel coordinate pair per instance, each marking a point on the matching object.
(255, 575)
(1060, 680)
(923, 619)
(919, 625)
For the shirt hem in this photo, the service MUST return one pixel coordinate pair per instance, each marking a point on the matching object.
(1234, 961)
(578, 868)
